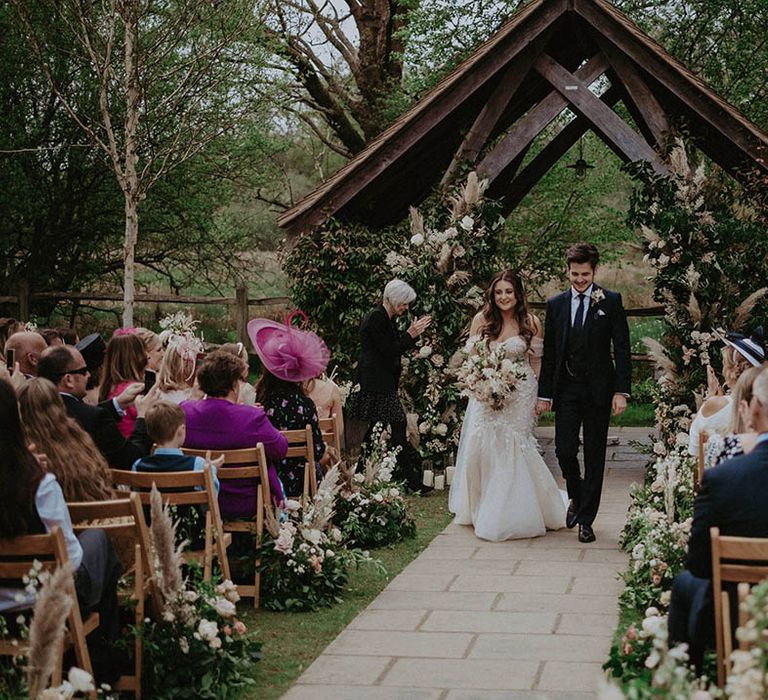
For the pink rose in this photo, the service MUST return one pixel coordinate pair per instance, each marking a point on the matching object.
(239, 627)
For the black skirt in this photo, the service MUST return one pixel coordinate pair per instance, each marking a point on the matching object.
(375, 407)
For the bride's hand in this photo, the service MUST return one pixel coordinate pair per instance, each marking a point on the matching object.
(542, 406)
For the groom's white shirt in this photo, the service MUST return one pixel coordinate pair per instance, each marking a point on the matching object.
(575, 303)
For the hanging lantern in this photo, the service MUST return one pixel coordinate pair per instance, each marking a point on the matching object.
(580, 167)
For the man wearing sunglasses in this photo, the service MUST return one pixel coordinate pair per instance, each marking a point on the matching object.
(64, 366)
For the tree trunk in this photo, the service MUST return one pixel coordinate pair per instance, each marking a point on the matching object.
(129, 250)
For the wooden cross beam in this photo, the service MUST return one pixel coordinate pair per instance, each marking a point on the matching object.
(500, 162)
(491, 112)
(616, 132)
(550, 154)
(651, 113)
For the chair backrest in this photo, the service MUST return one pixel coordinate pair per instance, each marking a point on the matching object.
(734, 560)
(698, 474)
(301, 444)
(248, 463)
(329, 427)
(177, 488)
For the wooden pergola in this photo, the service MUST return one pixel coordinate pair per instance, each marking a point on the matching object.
(581, 55)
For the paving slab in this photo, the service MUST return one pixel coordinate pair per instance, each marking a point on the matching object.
(525, 619)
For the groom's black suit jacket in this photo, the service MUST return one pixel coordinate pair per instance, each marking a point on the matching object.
(605, 324)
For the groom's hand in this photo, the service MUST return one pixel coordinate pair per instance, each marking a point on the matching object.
(542, 406)
(619, 404)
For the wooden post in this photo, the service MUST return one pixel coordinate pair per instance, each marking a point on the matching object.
(241, 312)
(24, 300)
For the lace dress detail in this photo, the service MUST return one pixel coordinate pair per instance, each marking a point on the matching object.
(502, 485)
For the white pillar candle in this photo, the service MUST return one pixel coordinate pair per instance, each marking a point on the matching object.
(440, 482)
(428, 478)
(449, 475)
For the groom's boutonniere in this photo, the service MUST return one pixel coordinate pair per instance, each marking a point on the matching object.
(597, 296)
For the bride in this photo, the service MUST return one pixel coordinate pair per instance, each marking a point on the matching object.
(502, 485)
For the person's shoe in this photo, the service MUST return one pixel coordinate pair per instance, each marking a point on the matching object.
(571, 516)
(586, 534)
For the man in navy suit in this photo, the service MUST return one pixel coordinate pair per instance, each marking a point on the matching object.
(585, 373)
(733, 497)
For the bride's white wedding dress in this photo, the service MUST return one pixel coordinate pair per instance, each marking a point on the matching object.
(501, 484)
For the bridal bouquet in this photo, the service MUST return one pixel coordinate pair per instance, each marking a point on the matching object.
(488, 375)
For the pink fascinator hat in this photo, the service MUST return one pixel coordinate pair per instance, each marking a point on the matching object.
(289, 353)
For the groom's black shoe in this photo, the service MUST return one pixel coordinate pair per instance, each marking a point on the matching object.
(586, 534)
(571, 516)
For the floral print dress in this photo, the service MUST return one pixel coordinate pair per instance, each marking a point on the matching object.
(294, 412)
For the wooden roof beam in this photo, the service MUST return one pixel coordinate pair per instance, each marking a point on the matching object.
(497, 104)
(550, 154)
(617, 133)
(651, 112)
(522, 134)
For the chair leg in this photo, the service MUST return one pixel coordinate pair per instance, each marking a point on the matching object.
(207, 566)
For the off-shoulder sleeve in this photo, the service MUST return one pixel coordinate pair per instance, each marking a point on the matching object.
(536, 351)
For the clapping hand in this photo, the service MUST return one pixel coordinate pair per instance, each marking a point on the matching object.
(128, 395)
(418, 326)
(713, 385)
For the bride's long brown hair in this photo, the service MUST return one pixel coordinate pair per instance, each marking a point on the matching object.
(492, 316)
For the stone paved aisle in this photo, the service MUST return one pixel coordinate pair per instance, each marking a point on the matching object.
(470, 619)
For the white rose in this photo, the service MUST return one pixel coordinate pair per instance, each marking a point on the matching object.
(207, 629)
(312, 535)
(336, 534)
(417, 239)
(329, 553)
(292, 506)
(467, 223)
(425, 351)
(438, 360)
(394, 493)
(441, 429)
(378, 498)
(215, 643)
(424, 427)
(224, 608)
(81, 681)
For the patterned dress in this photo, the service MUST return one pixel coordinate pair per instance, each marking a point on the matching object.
(294, 412)
(722, 447)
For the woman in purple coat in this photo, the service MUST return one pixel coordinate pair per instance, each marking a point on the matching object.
(218, 422)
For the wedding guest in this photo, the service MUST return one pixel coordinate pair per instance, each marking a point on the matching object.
(69, 335)
(326, 396)
(52, 336)
(715, 413)
(152, 347)
(124, 364)
(218, 422)
(247, 394)
(740, 438)
(31, 502)
(92, 348)
(382, 345)
(175, 380)
(26, 346)
(79, 467)
(8, 326)
(66, 368)
(733, 497)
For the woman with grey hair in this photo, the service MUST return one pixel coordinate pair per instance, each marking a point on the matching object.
(382, 344)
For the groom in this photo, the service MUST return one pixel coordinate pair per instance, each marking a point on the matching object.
(583, 379)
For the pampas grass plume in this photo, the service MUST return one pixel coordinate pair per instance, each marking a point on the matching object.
(168, 557)
(743, 312)
(660, 357)
(46, 632)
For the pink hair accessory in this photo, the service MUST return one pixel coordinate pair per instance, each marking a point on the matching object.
(289, 353)
(131, 330)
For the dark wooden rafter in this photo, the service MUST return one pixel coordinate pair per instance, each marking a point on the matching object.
(647, 112)
(550, 154)
(501, 160)
(489, 115)
(625, 142)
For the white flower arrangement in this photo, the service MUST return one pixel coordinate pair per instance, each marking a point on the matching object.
(597, 296)
(488, 375)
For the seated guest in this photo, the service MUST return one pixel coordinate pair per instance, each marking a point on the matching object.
(218, 422)
(27, 347)
(715, 413)
(73, 458)
(65, 367)
(289, 356)
(177, 370)
(167, 427)
(247, 392)
(152, 347)
(31, 502)
(733, 497)
(740, 438)
(326, 396)
(92, 348)
(124, 364)
(69, 336)
(52, 336)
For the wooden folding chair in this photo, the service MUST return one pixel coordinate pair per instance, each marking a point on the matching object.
(698, 474)
(331, 430)
(250, 463)
(123, 521)
(301, 444)
(51, 551)
(186, 489)
(734, 560)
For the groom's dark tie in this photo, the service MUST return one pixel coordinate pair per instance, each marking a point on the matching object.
(578, 322)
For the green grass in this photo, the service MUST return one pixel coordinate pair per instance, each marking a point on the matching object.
(636, 415)
(642, 327)
(291, 641)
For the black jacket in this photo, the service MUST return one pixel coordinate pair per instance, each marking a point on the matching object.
(100, 422)
(381, 345)
(605, 324)
(733, 497)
